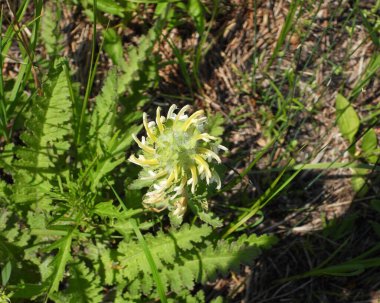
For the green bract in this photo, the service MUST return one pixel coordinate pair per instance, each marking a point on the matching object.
(175, 157)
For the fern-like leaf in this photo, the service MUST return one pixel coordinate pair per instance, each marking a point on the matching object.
(103, 117)
(4, 192)
(45, 140)
(83, 286)
(50, 32)
(106, 138)
(138, 56)
(205, 264)
(60, 261)
(164, 249)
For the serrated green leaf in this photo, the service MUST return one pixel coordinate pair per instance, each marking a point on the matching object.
(218, 299)
(210, 218)
(206, 216)
(103, 167)
(108, 264)
(175, 281)
(137, 57)
(103, 117)
(83, 286)
(60, 261)
(50, 32)
(162, 247)
(217, 258)
(45, 140)
(215, 125)
(199, 297)
(107, 209)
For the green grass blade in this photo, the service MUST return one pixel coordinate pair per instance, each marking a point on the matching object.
(63, 256)
(91, 78)
(10, 32)
(28, 52)
(320, 166)
(148, 255)
(181, 62)
(352, 267)
(371, 70)
(371, 30)
(60, 263)
(236, 180)
(269, 195)
(152, 264)
(284, 31)
(3, 112)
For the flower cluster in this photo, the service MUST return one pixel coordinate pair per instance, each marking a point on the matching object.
(175, 157)
(3, 297)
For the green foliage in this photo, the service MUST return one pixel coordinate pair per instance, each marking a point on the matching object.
(45, 141)
(6, 273)
(352, 267)
(50, 32)
(83, 286)
(185, 257)
(349, 123)
(106, 6)
(137, 58)
(3, 297)
(63, 235)
(215, 125)
(196, 11)
(371, 70)
(370, 146)
(113, 46)
(347, 119)
(199, 206)
(220, 258)
(106, 139)
(104, 114)
(60, 261)
(163, 248)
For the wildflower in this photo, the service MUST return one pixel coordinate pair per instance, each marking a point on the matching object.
(3, 297)
(175, 156)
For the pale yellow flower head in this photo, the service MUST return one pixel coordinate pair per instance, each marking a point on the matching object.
(176, 154)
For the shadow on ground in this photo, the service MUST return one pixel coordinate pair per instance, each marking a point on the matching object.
(320, 233)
